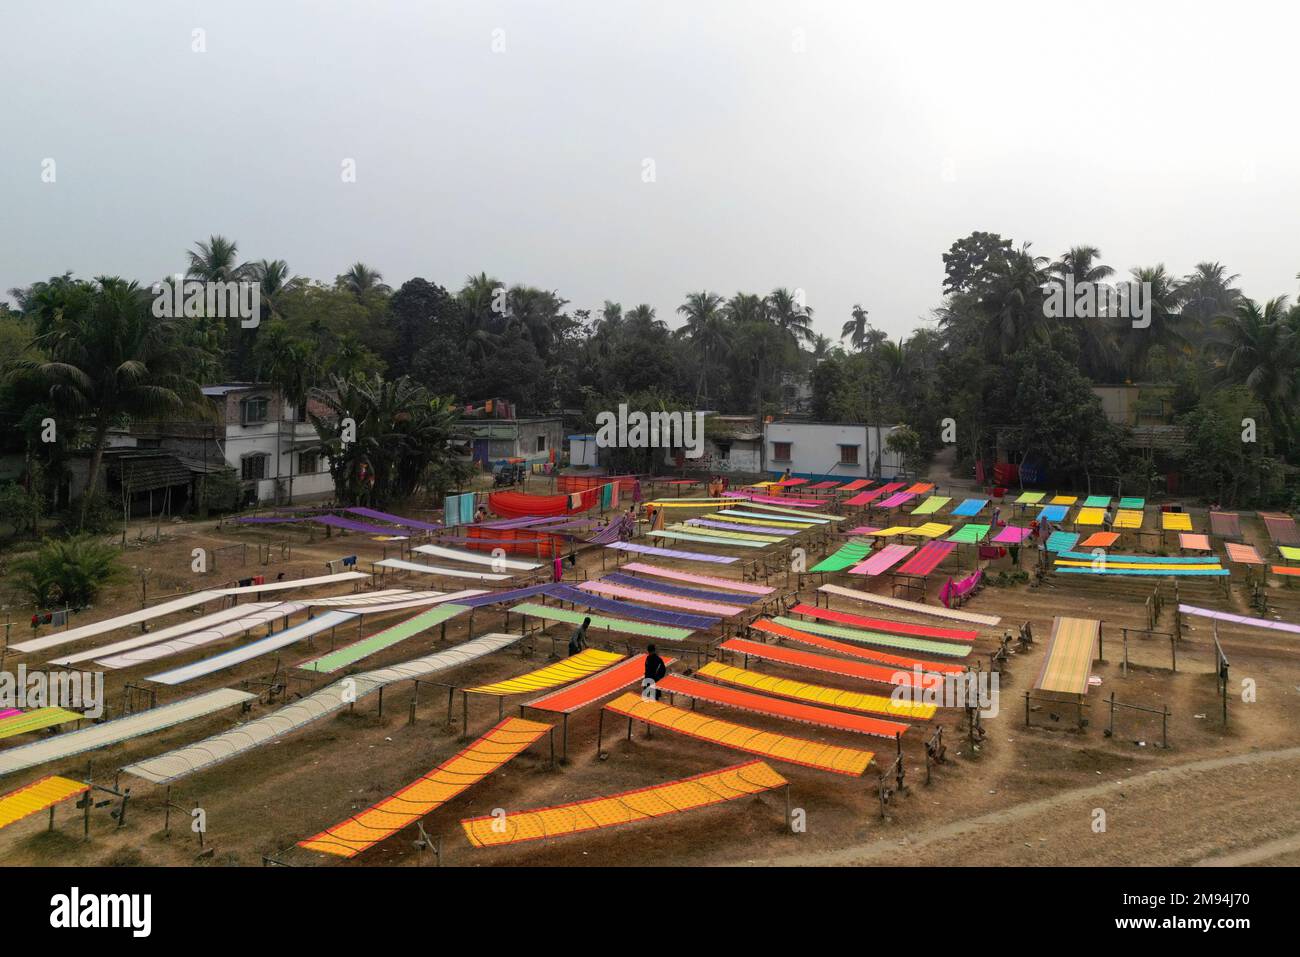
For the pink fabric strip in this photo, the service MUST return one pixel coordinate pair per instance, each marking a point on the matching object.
(727, 584)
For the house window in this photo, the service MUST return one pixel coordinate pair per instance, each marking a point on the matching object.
(253, 411)
(308, 462)
(849, 454)
(724, 451)
(253, 467)
(541, 443)
(781, 451)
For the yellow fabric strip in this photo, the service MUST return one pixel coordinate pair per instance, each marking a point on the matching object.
(820, 694)
(37, 796)
(703, 790)
(581, 665)
(781, 747)
(425, 794)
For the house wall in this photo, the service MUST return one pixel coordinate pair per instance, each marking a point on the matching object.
(815, 449)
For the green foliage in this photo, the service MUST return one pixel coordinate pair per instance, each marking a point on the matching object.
(19, 508)
(68, 571)
(402, 440)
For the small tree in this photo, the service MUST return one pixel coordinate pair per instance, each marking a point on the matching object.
(68, 571)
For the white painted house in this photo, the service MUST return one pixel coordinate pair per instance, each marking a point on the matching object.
(826, 450)
(271, 445)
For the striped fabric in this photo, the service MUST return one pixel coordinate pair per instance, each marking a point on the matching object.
(582, 665)
(972, 506)
(1070, 653)
(730, 584)
(1242, 554)
(812, 754)
(1175, 521)
(629, 807)
(883, 560)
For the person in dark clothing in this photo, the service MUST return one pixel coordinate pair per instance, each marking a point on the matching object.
(578, 641)
(655, 669)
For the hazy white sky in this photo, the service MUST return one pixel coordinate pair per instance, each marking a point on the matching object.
(835, 147)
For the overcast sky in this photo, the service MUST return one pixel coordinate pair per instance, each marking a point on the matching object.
(838, 148)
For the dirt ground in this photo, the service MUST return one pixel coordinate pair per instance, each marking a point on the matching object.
(1024, 795)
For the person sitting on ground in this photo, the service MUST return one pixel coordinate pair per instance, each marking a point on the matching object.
(578, 641)
(655, 669)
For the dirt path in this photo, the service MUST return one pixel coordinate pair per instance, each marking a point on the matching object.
(1215, 801)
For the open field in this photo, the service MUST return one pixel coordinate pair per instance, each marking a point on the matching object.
(1024, 795)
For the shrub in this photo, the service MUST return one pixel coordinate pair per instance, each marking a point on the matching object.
(68, 571)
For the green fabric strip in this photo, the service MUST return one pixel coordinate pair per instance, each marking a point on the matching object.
(383, 639)
(547, 613)
(876, 638)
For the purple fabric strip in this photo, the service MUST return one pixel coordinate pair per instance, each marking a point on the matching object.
(493, 598)
(673, 553)
(627, 609)
(262, 520)
(393, 519)
(1239, 619)
(650, 584)
(335, 522)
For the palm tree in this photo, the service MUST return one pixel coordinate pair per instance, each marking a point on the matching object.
(1014, 301)
(1079, 264)
(1263, 353)
(114, 358)
(856, 329)
(274, 279)
(642, 318)
(790, 315)
(291, 366)
(217, 260)
(821, 347)
(360, 279)
(537, 313)
(706, 327)
(747, 307)
(1163, 331)
(1207, 293)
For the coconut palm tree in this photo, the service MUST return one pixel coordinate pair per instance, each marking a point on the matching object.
(217, 260)
(274, 279)
(856, 329)
(1163, 331)
(1262, 352)
(360, 279)
(1014, 301)
(1079, 263)
(1207, 293)
(789, 314)
(706, 328)
(113, 357)
(747, 307)
(643, 319)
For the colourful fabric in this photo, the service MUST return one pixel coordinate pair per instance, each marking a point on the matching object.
(945, 648)
(817, 694)
(1129, 518)
(883, 560)
(1225, 524)
(884, 624)
(429, 792)
(955, 590)
(931, 505)
(1061, 541)
(547, 613)
(813, 754)
(972, 506)
(1100, 540)
(788, 710)
(1030, 498)
(1096, 501)
(1053, 513)
(37, 796)
(702, 790)
(927, 559)
(848, 554)
(1175, 521)
(1194, 543)
(1133, 503)
(1242, 554)
(1070, 653)
(519, 504)
(694, 579)
(1012, 535)
(1090, 516)
(969, 534)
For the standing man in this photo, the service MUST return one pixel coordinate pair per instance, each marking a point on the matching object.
(655, 669)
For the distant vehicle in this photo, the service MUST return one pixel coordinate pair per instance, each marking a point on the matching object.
(508, 475)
